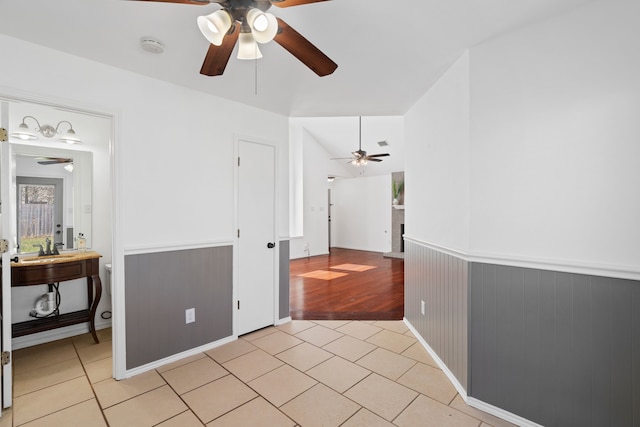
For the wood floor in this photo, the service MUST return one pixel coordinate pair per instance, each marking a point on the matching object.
(374, 294)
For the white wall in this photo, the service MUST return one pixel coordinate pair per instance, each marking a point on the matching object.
(315, 229)
(437, 167)
(555, 131)
(174, 145)
(361, 213)
(526, 149)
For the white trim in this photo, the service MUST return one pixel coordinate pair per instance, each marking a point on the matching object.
(187, 353)
(283, 321)
(452, 378)
(6, 385)
(449, 251)
(117, 257)
(136, 250)
(500, 413)
(566, 266)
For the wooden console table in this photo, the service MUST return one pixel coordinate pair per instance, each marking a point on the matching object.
(53, 269)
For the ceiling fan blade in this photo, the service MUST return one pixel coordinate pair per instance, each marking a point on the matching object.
(289, 3)
(373, 160)
(53, 160)
(379, 155)
(302, 49)
(341, 158)
(197, 2)
(218, 56)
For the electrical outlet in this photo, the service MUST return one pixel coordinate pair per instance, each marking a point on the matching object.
(190, 315)
(422, 307)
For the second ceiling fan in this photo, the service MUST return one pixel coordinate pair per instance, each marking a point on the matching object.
(360, 157)
(248, 22)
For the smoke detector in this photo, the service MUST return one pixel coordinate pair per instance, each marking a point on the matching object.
(151, 45)
(383, 143)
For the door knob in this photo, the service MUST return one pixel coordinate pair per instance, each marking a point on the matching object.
(271, 245)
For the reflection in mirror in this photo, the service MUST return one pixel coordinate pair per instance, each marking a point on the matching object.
(40, 218)
(53, 192)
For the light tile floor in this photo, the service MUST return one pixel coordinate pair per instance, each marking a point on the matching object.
(303, 373)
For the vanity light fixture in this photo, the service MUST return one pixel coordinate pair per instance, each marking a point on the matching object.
(25, 133)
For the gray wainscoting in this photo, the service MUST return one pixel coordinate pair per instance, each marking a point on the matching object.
(159, 287)
(441, 281)
(556, 348)
(284, 280)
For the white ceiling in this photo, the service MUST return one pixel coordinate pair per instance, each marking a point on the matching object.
(389, 52)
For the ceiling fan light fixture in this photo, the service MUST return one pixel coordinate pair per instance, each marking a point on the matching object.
(247, 47)
(215, 26)
(264, 26)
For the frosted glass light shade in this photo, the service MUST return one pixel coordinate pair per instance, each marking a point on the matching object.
(247, 47)
(215, 26)
(70, 137)
(264, 26)
(23, 132)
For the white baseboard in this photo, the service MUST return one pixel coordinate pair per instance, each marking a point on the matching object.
(452, 378)
(283, 321)
(55, 334)
(471, 401)
(176, 357)
(500, 413)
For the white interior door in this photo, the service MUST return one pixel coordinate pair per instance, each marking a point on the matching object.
(7, 176)
(255, 305)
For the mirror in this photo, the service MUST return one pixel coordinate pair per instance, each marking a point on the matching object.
(53, 197)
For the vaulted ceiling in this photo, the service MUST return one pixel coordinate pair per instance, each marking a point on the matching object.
(388, 52)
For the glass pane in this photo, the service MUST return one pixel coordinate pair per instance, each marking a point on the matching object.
(36, 216)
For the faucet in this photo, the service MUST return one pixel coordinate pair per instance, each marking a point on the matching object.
(41, 251)
(48, 252)
(55, 248)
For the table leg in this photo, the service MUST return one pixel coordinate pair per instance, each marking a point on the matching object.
(95, 279)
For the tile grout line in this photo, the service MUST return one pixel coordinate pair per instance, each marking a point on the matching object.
(245, 383)
(93, 390)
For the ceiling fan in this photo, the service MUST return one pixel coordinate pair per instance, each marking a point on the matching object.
(360, 157)
(248, 22)
(53, 160)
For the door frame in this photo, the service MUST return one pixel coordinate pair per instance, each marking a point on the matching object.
(236, 222)
(6, 394)
(115, 181)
